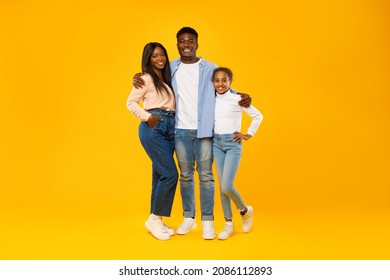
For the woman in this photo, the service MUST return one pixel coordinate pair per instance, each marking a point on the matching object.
(227, 147)
(156, 133)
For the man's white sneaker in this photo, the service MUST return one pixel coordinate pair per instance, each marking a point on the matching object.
(247, 220)
(227, 232)
(186, 226)
(157, 229)
(208, 230)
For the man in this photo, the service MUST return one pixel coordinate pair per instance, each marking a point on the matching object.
(195, 102)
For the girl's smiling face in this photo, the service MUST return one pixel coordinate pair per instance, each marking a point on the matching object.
(221, 82)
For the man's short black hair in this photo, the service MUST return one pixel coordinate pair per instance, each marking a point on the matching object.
(187, 30)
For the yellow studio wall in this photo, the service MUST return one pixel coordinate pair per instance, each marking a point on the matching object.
(75, 181)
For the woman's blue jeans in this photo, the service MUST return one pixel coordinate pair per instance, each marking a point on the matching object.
(191, 150)
(159, 144)
(227, 156)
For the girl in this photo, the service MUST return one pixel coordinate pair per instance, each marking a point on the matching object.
(227, 147)
(156, 133)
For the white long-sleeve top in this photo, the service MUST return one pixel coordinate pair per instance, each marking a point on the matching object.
(150, 99)
(228, 114)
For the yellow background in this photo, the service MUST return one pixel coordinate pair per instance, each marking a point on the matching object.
(75, 181)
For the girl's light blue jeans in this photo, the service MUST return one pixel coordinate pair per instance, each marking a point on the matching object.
(227, 156)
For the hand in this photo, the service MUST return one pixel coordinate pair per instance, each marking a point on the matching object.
(238, 136)
(153, 121)
(138, 82)
(245, 101)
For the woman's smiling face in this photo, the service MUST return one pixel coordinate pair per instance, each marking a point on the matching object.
(158, 58)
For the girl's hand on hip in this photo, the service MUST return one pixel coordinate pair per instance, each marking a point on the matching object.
(238, 136)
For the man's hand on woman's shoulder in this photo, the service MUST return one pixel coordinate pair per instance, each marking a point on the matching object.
(138, 82)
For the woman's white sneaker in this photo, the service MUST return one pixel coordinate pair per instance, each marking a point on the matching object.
(170, 230)
(157, 229)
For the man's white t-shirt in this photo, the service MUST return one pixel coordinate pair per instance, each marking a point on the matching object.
(187, 78)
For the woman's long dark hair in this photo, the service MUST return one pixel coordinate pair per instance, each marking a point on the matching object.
(148, 68)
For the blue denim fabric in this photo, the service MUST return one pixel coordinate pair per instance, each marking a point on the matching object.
(191, 150)
(227, 155)
(159, 144)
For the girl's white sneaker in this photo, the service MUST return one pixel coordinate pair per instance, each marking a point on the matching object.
(247, 220)
(227, 232)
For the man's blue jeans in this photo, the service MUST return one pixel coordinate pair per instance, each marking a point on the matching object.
(192, 151)
(159, 144)
(227, 155)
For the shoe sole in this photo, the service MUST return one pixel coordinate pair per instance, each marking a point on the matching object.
(170, 231)
(225, 238)
(209, 237)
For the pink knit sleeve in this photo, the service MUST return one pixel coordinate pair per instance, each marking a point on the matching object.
(136, 96)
